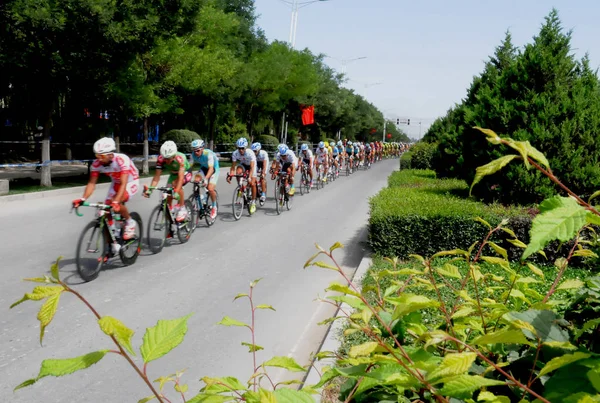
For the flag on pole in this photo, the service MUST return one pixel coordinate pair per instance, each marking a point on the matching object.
(308, 114)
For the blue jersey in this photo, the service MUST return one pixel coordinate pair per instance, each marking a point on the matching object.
(335, 151)
(206, 160)
(350, 149)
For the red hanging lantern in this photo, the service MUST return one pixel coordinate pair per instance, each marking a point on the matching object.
(389, 135)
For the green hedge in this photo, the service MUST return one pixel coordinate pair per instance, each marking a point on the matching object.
(419, 214)
(422, 155)
(183, 139)
(406, 160)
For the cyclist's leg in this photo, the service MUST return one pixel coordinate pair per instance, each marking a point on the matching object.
(212, 185)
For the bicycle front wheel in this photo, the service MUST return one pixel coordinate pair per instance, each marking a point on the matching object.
(237, 204)
(158, 229)
(207, 207)
(131, 248)
(92, 250)
(184, 229)
(279, 189)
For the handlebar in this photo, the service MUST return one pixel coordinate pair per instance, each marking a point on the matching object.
(100, 206)
(165, 189)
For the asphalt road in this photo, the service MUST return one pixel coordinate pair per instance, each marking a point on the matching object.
(200, 277)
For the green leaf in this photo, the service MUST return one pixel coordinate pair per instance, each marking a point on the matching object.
(504, 336)
(241, 295)
(162, 338)
(562, 223)
(61, 367)
(252, 347)
(547, 325)
(499, 261)
(490, 168)
(508, 231)
(451, 253)
(535, 270)
(594, 378)
(453, 364)
(147, 399)
(335, 246)
(463, 386)
(285, 362)
(489, 397)
(39, 293)
(114, 327)
(162, 381)
(462, 312)
(54, 269)
(407, 303)
(44, 279)
(180, 388)
(266, 396)
(218, 385)
(343, 289)
(286, 395)
(517, 243)
(527, 150)
(210, 398)
(263, 306)
(499, 250)
(24, 384)
(309, 261)
(592, 218)
(590, 324)
(348, 299)
(594, 195)
(571, 284)
(484, 222)
(561, 361)
(255, 282)
(324, 265)
(227, 321)
(46, 313)
(364, 349)
(449, 270)
(492, 137)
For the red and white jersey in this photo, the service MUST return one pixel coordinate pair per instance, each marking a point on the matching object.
(120, 164)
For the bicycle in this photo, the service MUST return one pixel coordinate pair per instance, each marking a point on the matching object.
(281, 194)
(162, 220)
(242, 195)
(201, 205)
(108, 227)
(304, 180)
(259, 182)
(319, 180)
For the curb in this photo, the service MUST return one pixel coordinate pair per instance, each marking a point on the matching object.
(331, 341)
(59, 192)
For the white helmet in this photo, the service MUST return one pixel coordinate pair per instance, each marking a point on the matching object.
(105, 145)
(168, 149)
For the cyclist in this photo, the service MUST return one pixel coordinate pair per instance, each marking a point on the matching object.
(262, 162)
(285, 160)
(322, 157)
(335, 153)
(350, 155)
(124, 182)
(306, 157)
(178, 166)
(357, 157)
(247, 163)
(209, 166)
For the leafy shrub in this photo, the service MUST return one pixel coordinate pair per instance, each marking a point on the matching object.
(422, 154)
(232, 131)
(268, 143)
(406, 160)
(183, 139)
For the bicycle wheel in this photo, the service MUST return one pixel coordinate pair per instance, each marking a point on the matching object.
(184, 229)
(207, 207)
(288, 201)
(302, 183)
(237, 204)
(319, 180)
(195, 212)
(159, 225)
(348, 168)
(278, 193)
(88, 267)
(131, 248)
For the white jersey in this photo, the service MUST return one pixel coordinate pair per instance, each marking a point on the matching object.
(262, 156)
(121, 164)
(291, 157)
(246, 158)
(321, 154)
(306, 155)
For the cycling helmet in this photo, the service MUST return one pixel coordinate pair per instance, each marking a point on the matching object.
(332, 144)
(304, 147)
(256, 146)
(242, 142)
(198, 143)
(168, 149)
(282, 148)
(339, 143)
(349, 143)
(321, 144)
(105, 145)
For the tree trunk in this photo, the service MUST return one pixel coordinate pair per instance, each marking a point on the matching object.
(69, 153)
(212, 118)
(145, 168)
(251, 125)
(46, 177)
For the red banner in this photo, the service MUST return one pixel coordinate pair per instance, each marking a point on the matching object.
(308, 114)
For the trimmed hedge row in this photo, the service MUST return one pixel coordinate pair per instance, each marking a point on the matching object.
(419, 214)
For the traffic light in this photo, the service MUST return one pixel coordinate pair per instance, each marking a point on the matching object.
(397, 121)
(409, 122)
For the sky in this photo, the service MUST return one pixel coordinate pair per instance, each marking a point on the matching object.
(421, 56)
